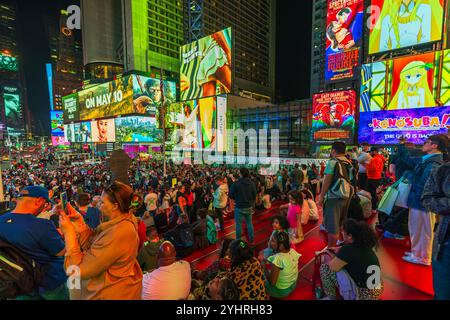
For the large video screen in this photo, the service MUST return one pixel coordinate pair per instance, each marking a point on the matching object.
(334, 117)
(206, 66)
(13, 111)
(57, 123)
(78, 132)
(408, 96)
(58, 141)
(137, 129)
(103, 130)
(71, 108)
(8, 63)
(344, 35)
(147, 95)
(106, 100)
(195, 124)
(396, 24)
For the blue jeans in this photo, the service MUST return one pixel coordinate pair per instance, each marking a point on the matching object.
(441, 273)
(239, 215)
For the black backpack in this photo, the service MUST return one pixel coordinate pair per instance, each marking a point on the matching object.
(186, 238)
(19, 275)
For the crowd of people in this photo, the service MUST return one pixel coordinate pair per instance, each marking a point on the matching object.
(110, 239)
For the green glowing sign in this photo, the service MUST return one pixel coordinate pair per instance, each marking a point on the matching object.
(8, 63)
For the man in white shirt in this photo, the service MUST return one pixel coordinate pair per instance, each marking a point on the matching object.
(171, 281)
(151, 201)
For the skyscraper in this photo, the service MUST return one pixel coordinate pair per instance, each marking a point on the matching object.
(319, 15)
(66, 56)
(101, 26)
(253, 23)
(137, 35)
(153, 33)
(13, 109)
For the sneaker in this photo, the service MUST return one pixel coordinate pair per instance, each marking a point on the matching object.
(390, 235)
(322, 228)
(408, 253)
(415, 260)
(339, 243)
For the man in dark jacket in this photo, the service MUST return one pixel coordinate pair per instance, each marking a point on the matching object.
(243, 192)
(436, 198)
(421, 222)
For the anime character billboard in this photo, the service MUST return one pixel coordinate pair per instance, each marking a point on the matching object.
(334, 117)
(399, 24)
(343, 42)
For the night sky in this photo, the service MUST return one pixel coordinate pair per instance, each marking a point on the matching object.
(292, 62)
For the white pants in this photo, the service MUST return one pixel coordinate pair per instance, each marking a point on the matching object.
(421, 232)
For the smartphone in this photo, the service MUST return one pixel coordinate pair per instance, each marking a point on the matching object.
(63, 198)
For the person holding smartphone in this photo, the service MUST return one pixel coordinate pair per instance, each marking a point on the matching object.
(106, 259)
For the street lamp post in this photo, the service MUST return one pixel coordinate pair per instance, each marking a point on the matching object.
(2, 197)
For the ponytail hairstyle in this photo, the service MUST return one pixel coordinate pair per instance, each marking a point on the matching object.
(282, 237)
(362, 234)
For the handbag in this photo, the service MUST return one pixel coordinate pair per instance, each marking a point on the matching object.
(403, 189)
(389, 198)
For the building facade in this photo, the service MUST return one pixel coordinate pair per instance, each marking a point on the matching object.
(319, 16)
(293, 119)
(66, 59)
(253, 23)
(13, 104)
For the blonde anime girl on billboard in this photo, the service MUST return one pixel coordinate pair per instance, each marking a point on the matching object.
(404, 23)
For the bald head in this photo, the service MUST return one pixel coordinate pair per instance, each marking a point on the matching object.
(166, 254)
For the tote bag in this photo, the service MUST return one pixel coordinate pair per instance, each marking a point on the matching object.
(403, 192)
(389, 198)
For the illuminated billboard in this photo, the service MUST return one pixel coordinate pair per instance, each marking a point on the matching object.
(8, 63)
(344, 35)
(195, 124)
(408, 96)
(147, 95)
(78, 132)
(137, 129)
(71, 107)
(103, 130)
(334, 117)
(58, 141)
(57, 123)
(107, 99)
(13, 111)
(131, 94)
(396, 24)
(206, 66)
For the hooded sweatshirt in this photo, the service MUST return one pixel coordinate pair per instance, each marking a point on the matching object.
(243, 192)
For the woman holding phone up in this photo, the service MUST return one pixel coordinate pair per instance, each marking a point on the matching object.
(101, 263)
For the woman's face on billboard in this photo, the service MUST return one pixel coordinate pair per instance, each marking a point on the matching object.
(102, 126)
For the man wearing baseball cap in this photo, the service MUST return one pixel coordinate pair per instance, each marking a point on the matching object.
(39, 239)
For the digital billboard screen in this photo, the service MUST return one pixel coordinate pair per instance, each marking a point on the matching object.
(103, 130)
(13, 110)
(71, 108)
(147, 95)
(334, 117)
(396, 24)
(8, 63)
(137, 129)
(58, 141)
(206, 66)
(408, 96)
(343, 38)
(78, 132)
(107, 99)
(57, 123)
(195, 123)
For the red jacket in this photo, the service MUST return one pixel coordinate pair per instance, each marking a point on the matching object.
(375, 167)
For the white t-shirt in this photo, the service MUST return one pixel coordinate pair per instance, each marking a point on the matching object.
(151, 201)
(168, 283)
